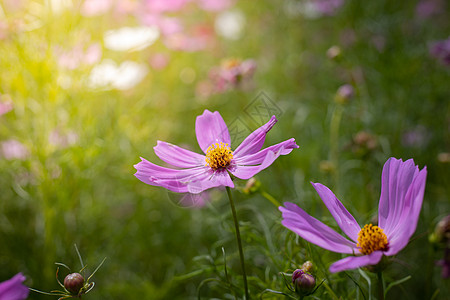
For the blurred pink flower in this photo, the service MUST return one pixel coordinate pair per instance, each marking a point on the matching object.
(328, 7)
(13, 149)
(160, 6)
(5, 107)
(91, 8)
(159, 61)
(198, 39)
(77, 56)
(426, 9)
(232, 73)
(440, 50)
(166, 25)
(215, 5)
(62, 140)
(13, 289)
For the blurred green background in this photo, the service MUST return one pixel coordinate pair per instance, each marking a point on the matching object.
(82, 107)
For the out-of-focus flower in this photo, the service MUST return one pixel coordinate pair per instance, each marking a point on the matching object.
(445, 264)
(251, 186)
(334, 52)
(402, 190)
(123, 77)
(230, 24)
(328, 7)
(63, 140)
(363, 143)
(344, 94)
(6, 104)
(13, 289)
(232, 73)
(444, 157)
(440, 50)
(159, 61)
(160, 6)
(426, 9)
(91, 8)
(130, 38)
(417, 137)
(166, 25)
(441, 236)
(215, 5)
(77, 56)
(13, 149)
(201, 172)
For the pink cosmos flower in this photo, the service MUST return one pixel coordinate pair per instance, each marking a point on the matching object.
(199, 172)
(402, 189)
(13, 289)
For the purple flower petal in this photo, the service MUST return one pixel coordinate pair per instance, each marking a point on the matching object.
(354, 262)
(246, 172)
(196, 182)
(177, 156)
(210, 128)
(13, 289)
(314, 231)
(258, 157)
(399, 236)
(254, 142)
(397, 178)
(344, 219)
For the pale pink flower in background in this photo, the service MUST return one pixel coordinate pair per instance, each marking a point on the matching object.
(232, 73)
(5, 106)
(63, 140)
(91, 8)
(13, 149)
(160, 6)
(166, 25)
(328, 7)
(78, 55)
(200, 38)
(440, 50)
(426, 9)
(215, 5)
(159, 61)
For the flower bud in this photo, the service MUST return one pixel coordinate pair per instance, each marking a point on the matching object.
(334, 52)
(73, 283)
(344, 94)
(307, 266)
(304, 284)
(297, 273)
(251, 186)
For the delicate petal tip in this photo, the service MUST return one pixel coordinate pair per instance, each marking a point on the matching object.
(210, 128)
(344, 219)
(354, 262)
(254, 142)
(313, 230)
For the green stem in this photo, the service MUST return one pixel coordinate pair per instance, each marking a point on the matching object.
(239, 242)
(270, 198)
(380, 286)
(334, 140)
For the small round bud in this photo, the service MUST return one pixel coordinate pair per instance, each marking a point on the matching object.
(307, 266)
(334, 52)
(73, 283)
(297, 273)
(251, 186)
(304, 284)
(344, 94)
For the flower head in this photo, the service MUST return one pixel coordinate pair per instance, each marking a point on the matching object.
(13, 289)
(402, 189)
(199, 172)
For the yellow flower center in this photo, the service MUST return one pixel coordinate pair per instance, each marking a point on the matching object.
(218, 156)
(371, 238)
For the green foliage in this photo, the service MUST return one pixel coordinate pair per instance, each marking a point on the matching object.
(84, 192)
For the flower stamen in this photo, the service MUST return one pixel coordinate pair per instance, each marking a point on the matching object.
(371, 238)
(218, 155)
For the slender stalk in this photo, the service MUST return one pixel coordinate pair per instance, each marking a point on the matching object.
(334, 141)
(239, 242)
(380, 286)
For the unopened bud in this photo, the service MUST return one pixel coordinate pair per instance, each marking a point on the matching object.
(73, 283)
(334, 52)
(441, 233)
(304, 284)
(251, 186)
(307, 266)
(344, 94)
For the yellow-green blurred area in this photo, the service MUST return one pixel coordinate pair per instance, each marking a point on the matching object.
(89, 87)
